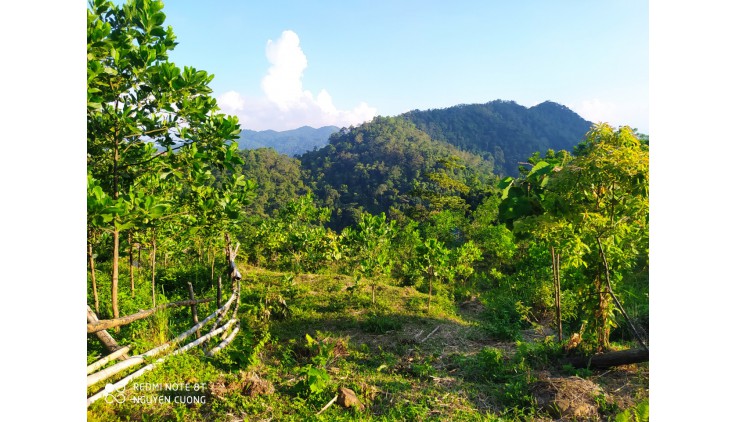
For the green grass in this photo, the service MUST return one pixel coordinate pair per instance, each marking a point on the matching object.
(309, 334)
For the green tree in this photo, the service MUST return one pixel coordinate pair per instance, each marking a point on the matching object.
(603, 194)
(141, 107)
(370, 247)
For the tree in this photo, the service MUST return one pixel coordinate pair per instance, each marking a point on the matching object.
(603, 194)
(141, 108)
(370, 247)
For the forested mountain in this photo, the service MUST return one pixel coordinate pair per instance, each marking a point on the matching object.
(290, 142)
(278, 179)
(504, 131)
(389, 164)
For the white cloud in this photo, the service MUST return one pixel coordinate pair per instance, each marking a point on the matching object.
(628, 113)
(596, 111)
(286, 105)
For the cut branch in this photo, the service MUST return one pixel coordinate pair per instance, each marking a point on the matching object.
(617, 302)
(116, 322)
(430, 334)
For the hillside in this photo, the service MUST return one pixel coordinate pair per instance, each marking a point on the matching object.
(503, 131)
(290, 142)
(388, 163)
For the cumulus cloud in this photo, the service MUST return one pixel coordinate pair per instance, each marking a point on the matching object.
(286, 104)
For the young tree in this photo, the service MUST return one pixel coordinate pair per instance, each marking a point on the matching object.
(370, 247)
(140, 107)
(603, 194)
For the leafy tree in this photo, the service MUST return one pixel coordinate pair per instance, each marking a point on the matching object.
(370, 247)
(141, 107)
(433, 261)
(603, 196)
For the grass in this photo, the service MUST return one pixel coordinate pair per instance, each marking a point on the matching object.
(306, 335)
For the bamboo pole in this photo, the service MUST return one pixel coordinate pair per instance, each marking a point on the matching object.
(135, 360)
(223, 343)
(123, 382)
(101, 362)
(116, 322)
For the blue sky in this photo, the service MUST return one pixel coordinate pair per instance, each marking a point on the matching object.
(341, 62)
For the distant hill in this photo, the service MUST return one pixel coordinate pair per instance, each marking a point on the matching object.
(388, 164)
(503, 131)
(290, 142)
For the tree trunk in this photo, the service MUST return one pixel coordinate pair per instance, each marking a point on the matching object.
(130, 262)
(555, 261)
(430, 291)
(153, 268)
(558, 290)
(114, 285)
(610, 359)
(212, 267)
(92, 273)
(116, 233)
(601, 316)
(105, 338)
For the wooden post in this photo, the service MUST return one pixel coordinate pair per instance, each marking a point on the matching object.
(193, 308)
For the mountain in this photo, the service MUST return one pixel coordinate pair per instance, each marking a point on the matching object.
(503, 131)
(389, 165)
(290, 142)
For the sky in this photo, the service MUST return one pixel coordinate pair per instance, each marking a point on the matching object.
(284, 64)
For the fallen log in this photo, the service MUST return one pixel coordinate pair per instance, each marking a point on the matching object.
(610, 359)
(105, 338)
(93, 327)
